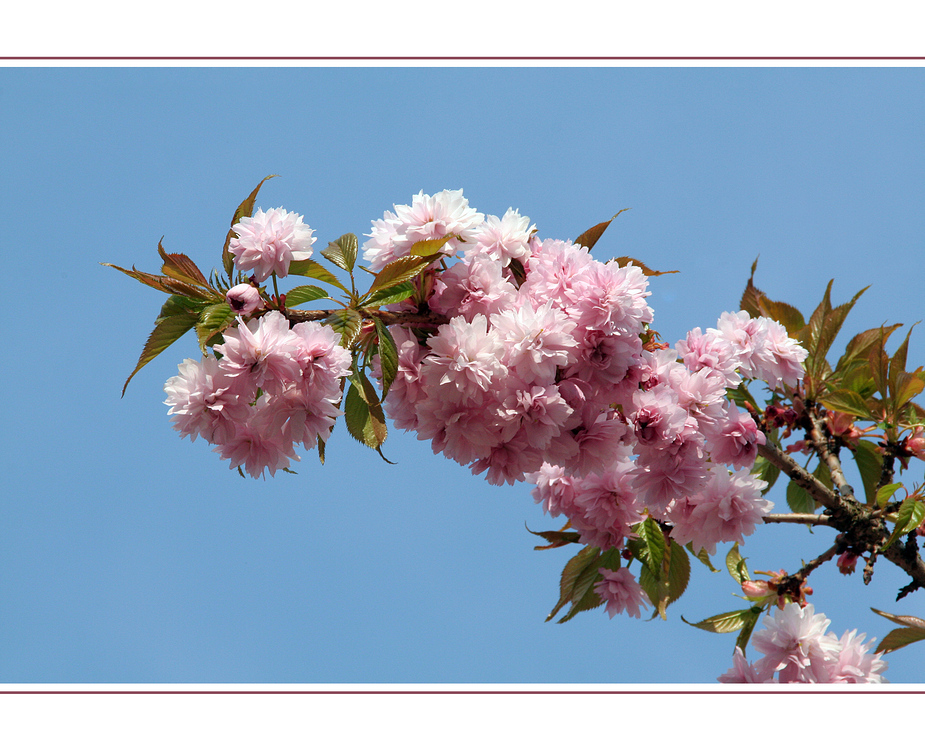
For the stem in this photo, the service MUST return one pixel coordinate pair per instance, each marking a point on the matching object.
(811, 519)
(387, 317)
(821, 444)
(810, 483)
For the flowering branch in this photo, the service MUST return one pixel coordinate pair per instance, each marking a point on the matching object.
(811, 519)
(811, 484)
(387, 317)
(820, 443)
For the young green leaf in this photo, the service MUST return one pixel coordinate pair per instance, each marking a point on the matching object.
(556, 538)
(365, 422)
(342, 252)
(910, 515)
(165, 283)
(702, 556)
(870, 466)
(305, 293)
(723, 623)
(212, 321)
(849, 402)
(347, 323)
(398, 293)
(886, 492)
(799, 501)
(746, 632)
(401, 270)
(584, 560)
(315, 270)
(388, 355)
(430, 247)
(178, 315)
(735, 564)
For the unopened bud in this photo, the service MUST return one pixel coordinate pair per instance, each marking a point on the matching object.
(244, 299)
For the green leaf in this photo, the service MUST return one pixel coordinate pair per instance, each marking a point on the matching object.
(388, 355)
(910, 515)
(589, 237)
(858, 349)
(347, 323)
(213, 320)
(904, 388)
(724, 623)
(305, 293)
(849, 402)
(430, 247)
(365, 422)
(315, 270)
(799, 500)
(746, 632)
(577, 566)
(649, 546)
(583, 595)
(246, 208)
(401, 270)
(702, 556)
(735, 564)
(398, 293)
(870, 466)
(342, 252)
(178, 315)
(886, 492)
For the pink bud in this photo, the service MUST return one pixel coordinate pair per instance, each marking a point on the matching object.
(756, 588)
(244, 299)
(915, 443)
(847, 562)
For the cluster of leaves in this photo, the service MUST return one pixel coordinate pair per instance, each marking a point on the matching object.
(867, 384)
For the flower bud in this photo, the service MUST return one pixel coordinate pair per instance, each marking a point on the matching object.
(847, 562)
(244, 299)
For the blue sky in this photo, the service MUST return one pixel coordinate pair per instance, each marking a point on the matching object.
(130, 555)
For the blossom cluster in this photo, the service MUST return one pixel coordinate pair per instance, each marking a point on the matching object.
(543, 374)
(274, 387)
(798, 649)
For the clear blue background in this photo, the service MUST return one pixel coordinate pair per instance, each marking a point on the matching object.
(130, 555)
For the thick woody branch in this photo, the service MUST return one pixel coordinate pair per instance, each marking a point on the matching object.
(811, 484)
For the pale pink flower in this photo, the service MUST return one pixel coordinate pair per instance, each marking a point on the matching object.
(712, 352)
(501, 239)
(555, 489)
(263, 350)
(244, 299)
(663, 475)
(324, 362)
(268, 242)
(736, 439)
(471, 287)
(407, 389)
(535, 341)
(427, 218)
(297, 415)
(657, 417)
(781, 357)
(466, 354)
(257, 451)
(795, 644)
(556, 271)
(727, 509)
(620, 592)
(613, 300)
(854, 663)
(206, 401)
(605, 508)
(508, 462)
(742, 671)
(538, 413)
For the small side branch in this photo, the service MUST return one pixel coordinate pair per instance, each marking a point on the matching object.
(811, 519)
(388, 317)
(821, 444)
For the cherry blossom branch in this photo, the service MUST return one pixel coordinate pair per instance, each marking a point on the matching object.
(810, 483)
(820, 443)
(388, 317)
(811, 519)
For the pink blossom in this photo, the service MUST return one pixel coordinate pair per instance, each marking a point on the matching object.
(727, 509)
(206, 401)
(269, 241)
(263, 350)
(257, 451)
(323, 361)
(297, 415)
(795, 644)
(658, 420)
(614, 299)
(604, 507)
(621, 593)
(427, 218)
(244, 299)
(465, 354)
(736, 439)
(538, 413)
(502, 240)
(535, 341)
(407, 389)
(742, 671)
(712, 352)
(854, 663)
(472, 287)
(555, 489)
(663, 475)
